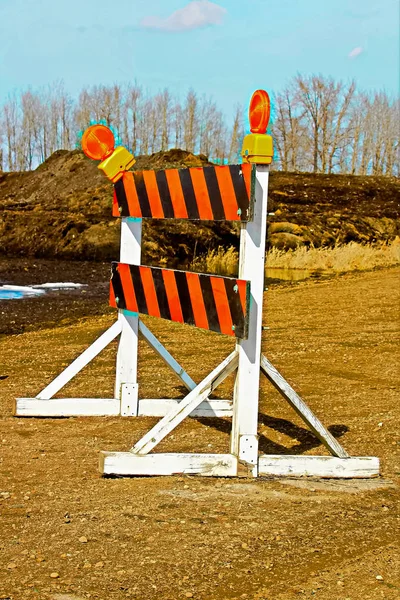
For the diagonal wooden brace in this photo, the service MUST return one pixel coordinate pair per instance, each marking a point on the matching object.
(79, 363)
(301, 408)
(186, 406)
(166, 356)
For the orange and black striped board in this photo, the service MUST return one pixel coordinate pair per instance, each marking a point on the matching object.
(217, 303)
(215, 193)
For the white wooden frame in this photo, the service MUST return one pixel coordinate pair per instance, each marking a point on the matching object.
(128, 404)
(126, 400)
(243, 459)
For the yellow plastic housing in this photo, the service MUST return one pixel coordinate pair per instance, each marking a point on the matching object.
(258, 148)
(115, 165)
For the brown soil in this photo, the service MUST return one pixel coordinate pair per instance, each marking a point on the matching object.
(63, 210)
(210, 539)
(57, 308)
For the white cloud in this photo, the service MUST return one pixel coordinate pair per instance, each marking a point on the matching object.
(356, 52)
(198, 13)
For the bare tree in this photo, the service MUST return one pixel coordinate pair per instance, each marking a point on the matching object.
(11, 123)
(83, 112)
(236, 136)
(207, 121)
(130, 116)
(190, 121)
(337, 122)
(163, 107)
(290, 132)
(310, 95)
(177, 124)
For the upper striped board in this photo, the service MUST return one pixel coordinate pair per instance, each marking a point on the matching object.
(215, 193)
(207, 301)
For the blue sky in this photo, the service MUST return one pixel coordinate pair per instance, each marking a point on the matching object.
(226, 48)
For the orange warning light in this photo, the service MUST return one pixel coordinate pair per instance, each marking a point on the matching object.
(259, 112)
(98, 142)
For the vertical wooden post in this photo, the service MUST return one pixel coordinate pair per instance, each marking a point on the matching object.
(244, 438)
(126, 387)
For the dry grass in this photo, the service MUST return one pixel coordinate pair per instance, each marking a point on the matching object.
(340, 259)
(220, 262)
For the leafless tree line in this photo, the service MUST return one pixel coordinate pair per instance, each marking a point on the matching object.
(318, 125)
(325, 126)
(35, 124)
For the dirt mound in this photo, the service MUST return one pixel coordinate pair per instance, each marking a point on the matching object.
(63, 210)
(328, 209)
(172, 159)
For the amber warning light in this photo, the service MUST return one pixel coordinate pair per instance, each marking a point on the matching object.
(98, 143)
(259, 112)
(257, 145)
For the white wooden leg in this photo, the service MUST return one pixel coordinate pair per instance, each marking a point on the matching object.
(244, 439)
(79, 363)
(126, 367)
(302, 409)
(186, 406)
(166, 356)
(127, 355)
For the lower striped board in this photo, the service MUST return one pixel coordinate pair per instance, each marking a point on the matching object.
(220, 304)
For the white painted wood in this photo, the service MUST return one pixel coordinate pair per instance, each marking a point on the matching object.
(186, 406)
(301, 408)
(209, 408)
(127, 355)
(166, 356)
(79, 363)
(98, 407)
(251, 268)
(67, 407)
(131, 240)
(318, 466)
(129, 400)
(129, 464)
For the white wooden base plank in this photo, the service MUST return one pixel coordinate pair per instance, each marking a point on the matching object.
(67, 407)
(209, 408)
(318, 466)
(129, 464)
(104, 407)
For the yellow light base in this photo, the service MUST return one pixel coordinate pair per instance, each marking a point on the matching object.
(115, 165)
(258, 148)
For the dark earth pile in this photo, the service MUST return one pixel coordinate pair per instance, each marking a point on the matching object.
(63, 210)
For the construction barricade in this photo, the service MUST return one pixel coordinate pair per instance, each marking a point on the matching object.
(229, 306)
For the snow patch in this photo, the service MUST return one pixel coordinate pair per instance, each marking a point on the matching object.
(59, 286)
(13, 292)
